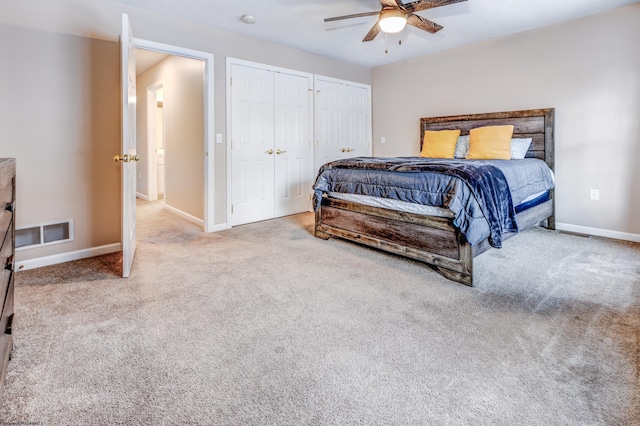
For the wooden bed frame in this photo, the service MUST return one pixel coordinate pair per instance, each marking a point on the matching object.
(430, 239)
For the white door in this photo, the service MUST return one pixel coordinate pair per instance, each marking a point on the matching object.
(252, 144)
(128, 157)
(328, 122)
(293, 143)
(342, 121)
(358, 126)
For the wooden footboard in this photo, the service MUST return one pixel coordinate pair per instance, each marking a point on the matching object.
(432, 240)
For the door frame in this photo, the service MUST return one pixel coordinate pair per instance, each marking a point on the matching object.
(209, 118)
(234, 61)
(152, 166)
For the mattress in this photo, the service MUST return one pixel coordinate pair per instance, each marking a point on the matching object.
(404, 206)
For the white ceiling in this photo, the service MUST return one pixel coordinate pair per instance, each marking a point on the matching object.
(299, 23)
(145, 59)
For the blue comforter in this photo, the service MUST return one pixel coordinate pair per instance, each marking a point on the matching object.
(481, 193)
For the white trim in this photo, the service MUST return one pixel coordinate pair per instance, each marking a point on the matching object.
(209, 120)
(598, 232)
(345, 82)
(67, 257)
(220, 227)
(142, 196)
(227, 84)
(266, 67)
(184, 215)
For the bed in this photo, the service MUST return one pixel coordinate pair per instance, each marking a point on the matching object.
(435, 238)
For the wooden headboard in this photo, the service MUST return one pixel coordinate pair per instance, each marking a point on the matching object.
(537, 124)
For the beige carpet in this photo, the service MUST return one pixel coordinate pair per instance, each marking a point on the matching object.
(265, 324)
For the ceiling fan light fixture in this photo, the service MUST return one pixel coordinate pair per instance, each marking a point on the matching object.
(392, 20)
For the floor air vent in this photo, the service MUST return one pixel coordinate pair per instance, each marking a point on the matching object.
(45, 234)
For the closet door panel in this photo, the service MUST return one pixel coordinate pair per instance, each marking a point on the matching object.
(293, 143)
(358, 105)
(329, 125)
(252, 144)
(342, 121)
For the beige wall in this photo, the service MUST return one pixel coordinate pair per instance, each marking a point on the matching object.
(588, 69)
(59, 116)
(60, 105)
(183, 83)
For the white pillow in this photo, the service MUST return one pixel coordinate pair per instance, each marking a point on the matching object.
(519, 148)
(462, 147)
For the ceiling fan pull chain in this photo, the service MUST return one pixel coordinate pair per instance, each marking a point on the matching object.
(386, 44)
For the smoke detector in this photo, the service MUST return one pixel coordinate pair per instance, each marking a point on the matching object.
(248, 19)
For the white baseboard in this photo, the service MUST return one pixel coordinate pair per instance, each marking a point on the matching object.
(23, 265)
(184, 215)
(142, 196)
(598, 232)
(219, 227)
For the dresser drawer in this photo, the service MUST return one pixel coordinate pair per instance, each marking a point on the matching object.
(6, 336)
(6, 204)
(5, 222)
(6, 262)
(6, 193)
(6, 250)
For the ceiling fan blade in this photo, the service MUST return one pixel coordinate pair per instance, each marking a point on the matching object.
(417, 6)
(355, 15)
(389, 3)
(423, 24)
(373, 32)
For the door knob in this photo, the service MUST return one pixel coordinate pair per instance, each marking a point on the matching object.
(280, 152)
(125, 158)
(270, 152)
(348, 149)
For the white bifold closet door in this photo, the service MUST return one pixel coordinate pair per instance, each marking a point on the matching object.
(342, 120)
(293, 143)
(271, 148)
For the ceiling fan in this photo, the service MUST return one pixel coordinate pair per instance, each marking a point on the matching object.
(395, 15)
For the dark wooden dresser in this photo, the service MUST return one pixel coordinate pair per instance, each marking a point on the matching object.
(7, 236)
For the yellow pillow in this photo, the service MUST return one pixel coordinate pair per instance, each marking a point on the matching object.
(439, 143)
(490, 143)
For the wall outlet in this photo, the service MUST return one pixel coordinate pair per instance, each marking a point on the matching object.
(594, 195)
(383, 139)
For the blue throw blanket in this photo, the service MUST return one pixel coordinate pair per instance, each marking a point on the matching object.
(424, 181)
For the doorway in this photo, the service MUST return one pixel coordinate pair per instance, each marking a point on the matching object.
(155, 142)
(162, 159)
